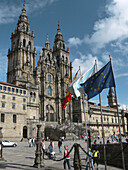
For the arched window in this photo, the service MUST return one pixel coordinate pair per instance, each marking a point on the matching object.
(48, 56)
(46, 107)
(66, 59)
(49, 91)
(62, 58)
(30, 94)
(34, 95)
(29, 44)
(51, 108)
(49, 78)
(24, 42)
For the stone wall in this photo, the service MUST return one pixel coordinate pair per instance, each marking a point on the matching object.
(113, 154)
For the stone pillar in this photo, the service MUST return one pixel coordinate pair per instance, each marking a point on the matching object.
(1, 149)
(39, 162)
(77, 160)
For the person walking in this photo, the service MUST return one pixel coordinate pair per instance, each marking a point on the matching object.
(89, 160)
(60, 146)
(30, 142)
(67, 159)
(43, 147)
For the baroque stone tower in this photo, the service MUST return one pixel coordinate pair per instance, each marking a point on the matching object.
(111, 98)
(21, 56)
(54, 73)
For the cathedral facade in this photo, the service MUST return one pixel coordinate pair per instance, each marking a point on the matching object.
(34, 94)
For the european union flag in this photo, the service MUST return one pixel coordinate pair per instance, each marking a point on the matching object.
(104, 78)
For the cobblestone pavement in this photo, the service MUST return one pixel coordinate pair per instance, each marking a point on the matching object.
(22, 157)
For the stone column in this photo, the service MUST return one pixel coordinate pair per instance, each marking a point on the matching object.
(39, 162)
(77, 160)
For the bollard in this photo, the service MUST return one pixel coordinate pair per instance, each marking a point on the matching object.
(77, 161)
(39, 162)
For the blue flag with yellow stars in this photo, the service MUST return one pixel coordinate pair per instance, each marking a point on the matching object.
(102, 79)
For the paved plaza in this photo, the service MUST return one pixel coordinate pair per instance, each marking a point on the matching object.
(22, 157)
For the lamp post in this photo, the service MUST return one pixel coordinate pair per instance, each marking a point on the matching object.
(39, 162)
(1, 149)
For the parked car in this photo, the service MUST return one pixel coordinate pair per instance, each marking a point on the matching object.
(7, 143)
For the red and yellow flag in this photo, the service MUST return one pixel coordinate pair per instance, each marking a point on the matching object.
(67, 99)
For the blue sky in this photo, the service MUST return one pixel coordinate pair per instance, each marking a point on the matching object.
(92, 29)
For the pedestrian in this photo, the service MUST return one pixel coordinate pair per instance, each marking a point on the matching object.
(67, 159)
(96, 156)
(50, 147)
(43, 147)
(30, 142)
(60, 146)
(89, 160)
(95, 142)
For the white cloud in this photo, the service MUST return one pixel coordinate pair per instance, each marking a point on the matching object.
(122, 75)
(74, 41)
(123, 106)
(8, 12)
(114, 27)
(85, 63)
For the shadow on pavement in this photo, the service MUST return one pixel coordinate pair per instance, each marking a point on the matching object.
(14, 166)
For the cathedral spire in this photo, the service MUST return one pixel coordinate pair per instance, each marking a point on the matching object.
(24, 10)
(58, 30)
(47, 44)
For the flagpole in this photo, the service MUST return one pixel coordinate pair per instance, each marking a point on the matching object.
(121, 145)
(103, 136)
(123, 160)
(86, 131)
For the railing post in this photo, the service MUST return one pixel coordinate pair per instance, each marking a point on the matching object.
(77, 160)
(39, 162)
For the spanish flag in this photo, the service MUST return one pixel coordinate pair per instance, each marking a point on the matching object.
(67, 99)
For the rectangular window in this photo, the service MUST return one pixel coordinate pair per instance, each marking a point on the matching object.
(13, 106)
(20, 91)
(13, 89)
(104, 118)
(24, 100)
(2, 117)
(9, 89)
(0, 87)
(4, 88)
(24, 107)
(24, 92)
(13, 98)
(51, 117)
(16, 90)
(49, 78)
(3, 96)
(3, 104)
(112, 120)
(14, 118)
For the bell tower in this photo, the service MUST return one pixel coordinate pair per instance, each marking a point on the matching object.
(111, 98)
(21, 56)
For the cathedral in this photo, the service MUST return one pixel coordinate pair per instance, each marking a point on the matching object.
(34, 94)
